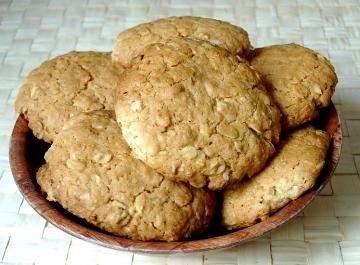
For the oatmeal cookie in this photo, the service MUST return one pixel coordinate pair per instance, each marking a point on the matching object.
(131, 42)
(300, 80)
(65, 86)
(292, 171)
(195, 113)
(90, 172)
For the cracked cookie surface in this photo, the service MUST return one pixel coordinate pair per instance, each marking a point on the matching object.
(65, 86)
(131, 42)
(292, 171)
(90, 172)
(194, 113)
(300, 80)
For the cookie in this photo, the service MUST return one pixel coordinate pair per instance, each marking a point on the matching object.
(194, 113)
(292, 171)
(90, 172)
(300, 80)
(65, 86)
(131, 42)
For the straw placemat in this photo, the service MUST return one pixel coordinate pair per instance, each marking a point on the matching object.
(328, 232)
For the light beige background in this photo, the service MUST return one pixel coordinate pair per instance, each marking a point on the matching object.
(31, 31)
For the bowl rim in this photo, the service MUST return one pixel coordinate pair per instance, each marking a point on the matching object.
(21, 171)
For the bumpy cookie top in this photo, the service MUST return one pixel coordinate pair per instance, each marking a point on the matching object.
(299, 79)
(193, 112)
(90, 172)
(64, 86)
(131, 42)
(293, 170)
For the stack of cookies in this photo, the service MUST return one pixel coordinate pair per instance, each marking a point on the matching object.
(142, 138)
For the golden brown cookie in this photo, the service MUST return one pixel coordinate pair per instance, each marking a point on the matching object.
(293, 170)
(131, 42)
(194, 113)
(300, 80)
(65, 86)
(90, 172)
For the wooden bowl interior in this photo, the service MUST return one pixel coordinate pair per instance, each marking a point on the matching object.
(26, 156)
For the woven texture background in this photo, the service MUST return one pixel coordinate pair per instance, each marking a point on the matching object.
(32, 31)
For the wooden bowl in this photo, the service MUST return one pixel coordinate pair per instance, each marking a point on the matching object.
(26, 155)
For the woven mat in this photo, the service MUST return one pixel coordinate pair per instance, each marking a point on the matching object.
(32, 31)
